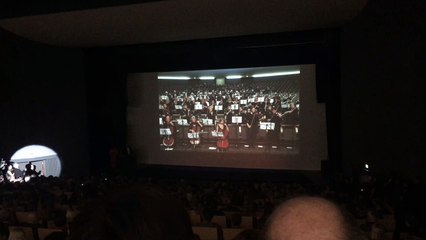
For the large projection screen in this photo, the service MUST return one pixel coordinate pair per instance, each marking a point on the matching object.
(164, 107)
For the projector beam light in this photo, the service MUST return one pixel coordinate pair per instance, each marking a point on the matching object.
(173, 77)
(273, 74)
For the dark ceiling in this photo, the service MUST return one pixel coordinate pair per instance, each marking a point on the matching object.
(82, 23)
(21, 8)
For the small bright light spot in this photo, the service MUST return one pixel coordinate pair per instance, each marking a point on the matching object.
(289, 147)
(366, 166)
(260, 146)
(246, 146)
(212, 148)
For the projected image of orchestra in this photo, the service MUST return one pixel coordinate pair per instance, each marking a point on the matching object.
(251, 112)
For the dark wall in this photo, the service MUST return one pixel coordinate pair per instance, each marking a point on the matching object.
(107, 103)
(43, 101)
(383, 90)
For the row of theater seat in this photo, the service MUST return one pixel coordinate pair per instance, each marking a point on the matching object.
(247, 222)
(212, 233)
(225, 231)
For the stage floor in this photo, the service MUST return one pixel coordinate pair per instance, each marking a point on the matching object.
(292, 149)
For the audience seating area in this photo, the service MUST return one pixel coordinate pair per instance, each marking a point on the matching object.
(219, 210)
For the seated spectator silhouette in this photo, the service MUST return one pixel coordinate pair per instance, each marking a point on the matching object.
(236, 220)
(206, 218)
(59, 219)
(56, 236)
(138, 212)
(267, 211)
(306, 218)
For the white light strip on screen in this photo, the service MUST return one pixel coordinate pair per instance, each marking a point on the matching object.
(207, 78)
(234, 77)
(273, 74)
(173, 77)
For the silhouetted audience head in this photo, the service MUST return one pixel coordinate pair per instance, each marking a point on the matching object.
(236, 219)
(134, 213)
(306, 218)
(59, 218)
(207, 215)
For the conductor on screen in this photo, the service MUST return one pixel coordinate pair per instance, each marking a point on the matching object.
(274, 134)
(252, 126)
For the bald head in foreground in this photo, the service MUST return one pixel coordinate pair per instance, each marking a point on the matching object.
(306, 218)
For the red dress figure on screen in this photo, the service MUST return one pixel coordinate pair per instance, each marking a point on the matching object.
(222, 142)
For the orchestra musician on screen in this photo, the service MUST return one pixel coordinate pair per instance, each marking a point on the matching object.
(168, 139)
(185, 112)
(195, 127)
(211, 113)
